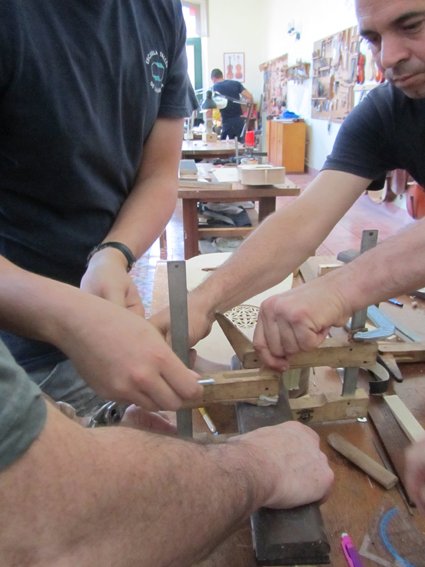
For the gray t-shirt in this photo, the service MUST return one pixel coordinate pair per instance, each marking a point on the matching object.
(22, 409)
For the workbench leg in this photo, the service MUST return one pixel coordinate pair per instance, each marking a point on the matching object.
(266, 206)
(190, 228)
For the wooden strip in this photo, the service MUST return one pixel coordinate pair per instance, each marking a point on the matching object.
(391, 435)
(329, 407)
(239, 385)
(407, 421)
(404, 352)
(332, 352)
(386, 478)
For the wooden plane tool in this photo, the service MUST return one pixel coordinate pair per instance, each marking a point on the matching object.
(334, 353)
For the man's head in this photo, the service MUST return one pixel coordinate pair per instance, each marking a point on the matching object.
(216, 75)
(395, 30)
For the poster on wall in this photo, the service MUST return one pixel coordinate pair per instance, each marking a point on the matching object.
(234, 66)
(275, 86)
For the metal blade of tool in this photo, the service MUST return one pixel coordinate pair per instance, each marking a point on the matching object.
(358, 320)
(179, 327)
(283, 537)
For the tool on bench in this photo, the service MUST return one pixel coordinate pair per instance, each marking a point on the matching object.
(333, 352)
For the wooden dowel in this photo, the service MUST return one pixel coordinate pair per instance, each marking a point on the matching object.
(385, 477)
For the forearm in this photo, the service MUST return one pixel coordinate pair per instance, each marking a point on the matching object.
(122, 497)
(152, 199)
(281, 243)
(394, 266)
(31, 305)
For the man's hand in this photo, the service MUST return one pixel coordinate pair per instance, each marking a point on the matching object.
(155, 422)
(415, 473)
(297, 320)
(294, 470)
(106, 276)
(200, 321)
(123, 357)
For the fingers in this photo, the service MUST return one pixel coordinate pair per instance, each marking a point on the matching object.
(138, 418)
(280, 333)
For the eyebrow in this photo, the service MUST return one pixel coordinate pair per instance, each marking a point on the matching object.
(402, 19)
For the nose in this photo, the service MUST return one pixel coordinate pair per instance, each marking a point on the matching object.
(393, 50)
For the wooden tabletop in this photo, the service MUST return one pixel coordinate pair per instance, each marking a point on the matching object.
(197, 149)
(357, 503)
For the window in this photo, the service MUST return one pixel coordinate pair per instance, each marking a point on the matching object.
(195, 14)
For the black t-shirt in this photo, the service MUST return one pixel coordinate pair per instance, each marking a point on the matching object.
(385, 131)
(232, 89)
(81, 85)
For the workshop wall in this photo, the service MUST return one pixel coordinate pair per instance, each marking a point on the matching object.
(259, 28)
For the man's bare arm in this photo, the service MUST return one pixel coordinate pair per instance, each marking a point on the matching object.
(299, 319)
(142, 217)
(120, 355)
(122, 497)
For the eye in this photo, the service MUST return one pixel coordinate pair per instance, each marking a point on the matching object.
(373, 41)
(413, 26)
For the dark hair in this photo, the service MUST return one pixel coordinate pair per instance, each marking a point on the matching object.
(216, 74)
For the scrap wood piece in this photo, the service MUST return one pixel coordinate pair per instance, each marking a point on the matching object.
(283, 537)
(371, 467)
(392, 437)
(239, 385)
(407, 421)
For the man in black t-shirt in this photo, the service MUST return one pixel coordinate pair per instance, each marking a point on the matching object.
(231, 115)
(93, 97)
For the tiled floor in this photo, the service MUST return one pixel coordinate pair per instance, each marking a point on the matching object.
(386, 217)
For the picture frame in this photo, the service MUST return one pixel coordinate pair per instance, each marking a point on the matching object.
(234, 66)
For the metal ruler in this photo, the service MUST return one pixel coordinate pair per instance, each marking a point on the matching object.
(179, 327)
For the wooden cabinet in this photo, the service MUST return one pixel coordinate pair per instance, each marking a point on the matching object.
(286, 144)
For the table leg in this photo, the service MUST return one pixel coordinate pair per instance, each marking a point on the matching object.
(266, 206)
(190, 228)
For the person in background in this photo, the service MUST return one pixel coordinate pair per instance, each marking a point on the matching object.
(114, 495)
(231, 115)
(92, 102)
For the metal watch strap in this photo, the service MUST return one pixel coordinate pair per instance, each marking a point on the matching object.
(129, 256)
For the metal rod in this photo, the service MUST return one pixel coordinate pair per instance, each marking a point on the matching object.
(358, 320)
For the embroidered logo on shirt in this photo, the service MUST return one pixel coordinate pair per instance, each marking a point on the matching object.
(158, 64)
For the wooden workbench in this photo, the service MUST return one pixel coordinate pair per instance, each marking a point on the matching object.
(198, 149)
(193, 192)
(357, 503)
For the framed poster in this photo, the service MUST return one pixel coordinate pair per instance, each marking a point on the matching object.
(234, 66)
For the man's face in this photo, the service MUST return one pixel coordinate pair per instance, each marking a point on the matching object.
(395, 30)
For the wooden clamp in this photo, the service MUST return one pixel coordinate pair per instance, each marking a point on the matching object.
(334, 353)
(233, 386)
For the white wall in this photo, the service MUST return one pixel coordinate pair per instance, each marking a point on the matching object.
(259, 28)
